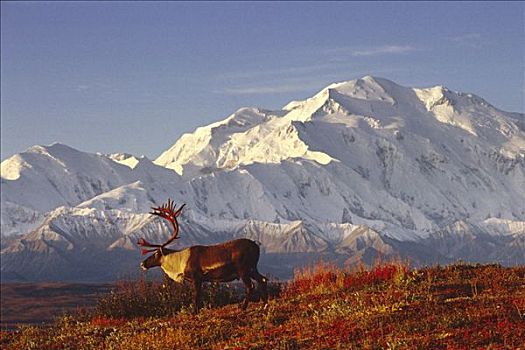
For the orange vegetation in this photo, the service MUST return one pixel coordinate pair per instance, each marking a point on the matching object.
(389, 306)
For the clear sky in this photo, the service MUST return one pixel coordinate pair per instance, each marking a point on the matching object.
(132, 77)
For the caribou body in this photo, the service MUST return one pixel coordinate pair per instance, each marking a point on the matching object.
(223, 262)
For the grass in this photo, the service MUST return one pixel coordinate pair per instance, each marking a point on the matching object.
(389, 306)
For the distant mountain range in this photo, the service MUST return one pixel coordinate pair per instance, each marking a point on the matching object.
(365, 168)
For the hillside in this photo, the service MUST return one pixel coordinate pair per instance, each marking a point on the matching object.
(390, 306)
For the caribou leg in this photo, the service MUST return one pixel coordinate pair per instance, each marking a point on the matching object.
(262, 284)
(197, 288)
(248, 284)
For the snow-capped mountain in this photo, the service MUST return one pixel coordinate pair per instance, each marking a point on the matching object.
(46, 177)
(364, 167)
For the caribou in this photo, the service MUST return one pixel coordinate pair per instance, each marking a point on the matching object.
(225, 262)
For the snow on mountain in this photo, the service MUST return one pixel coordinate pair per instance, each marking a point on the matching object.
(200, 145)
(126, 159)
(45, 177)
(17, 219)
(495, 226)
(363, 168)
(74, 244)
(426, 156)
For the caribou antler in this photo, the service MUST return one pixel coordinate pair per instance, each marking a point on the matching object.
(168, 212)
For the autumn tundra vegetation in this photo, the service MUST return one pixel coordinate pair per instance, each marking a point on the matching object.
(387, 306)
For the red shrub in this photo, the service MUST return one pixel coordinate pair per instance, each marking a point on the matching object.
(308, 278)
(329, 276)
(103, 321)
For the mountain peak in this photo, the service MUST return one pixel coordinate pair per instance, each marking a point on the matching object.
(13, 167)
(367, 88)
(52, 148)
(126, 159)
(252, 135)
(202, 143)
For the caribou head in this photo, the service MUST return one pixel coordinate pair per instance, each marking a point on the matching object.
(168, 212)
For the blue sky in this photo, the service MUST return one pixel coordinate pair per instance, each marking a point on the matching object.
(132, 77)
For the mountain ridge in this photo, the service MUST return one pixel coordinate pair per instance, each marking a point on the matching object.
(418, 167)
